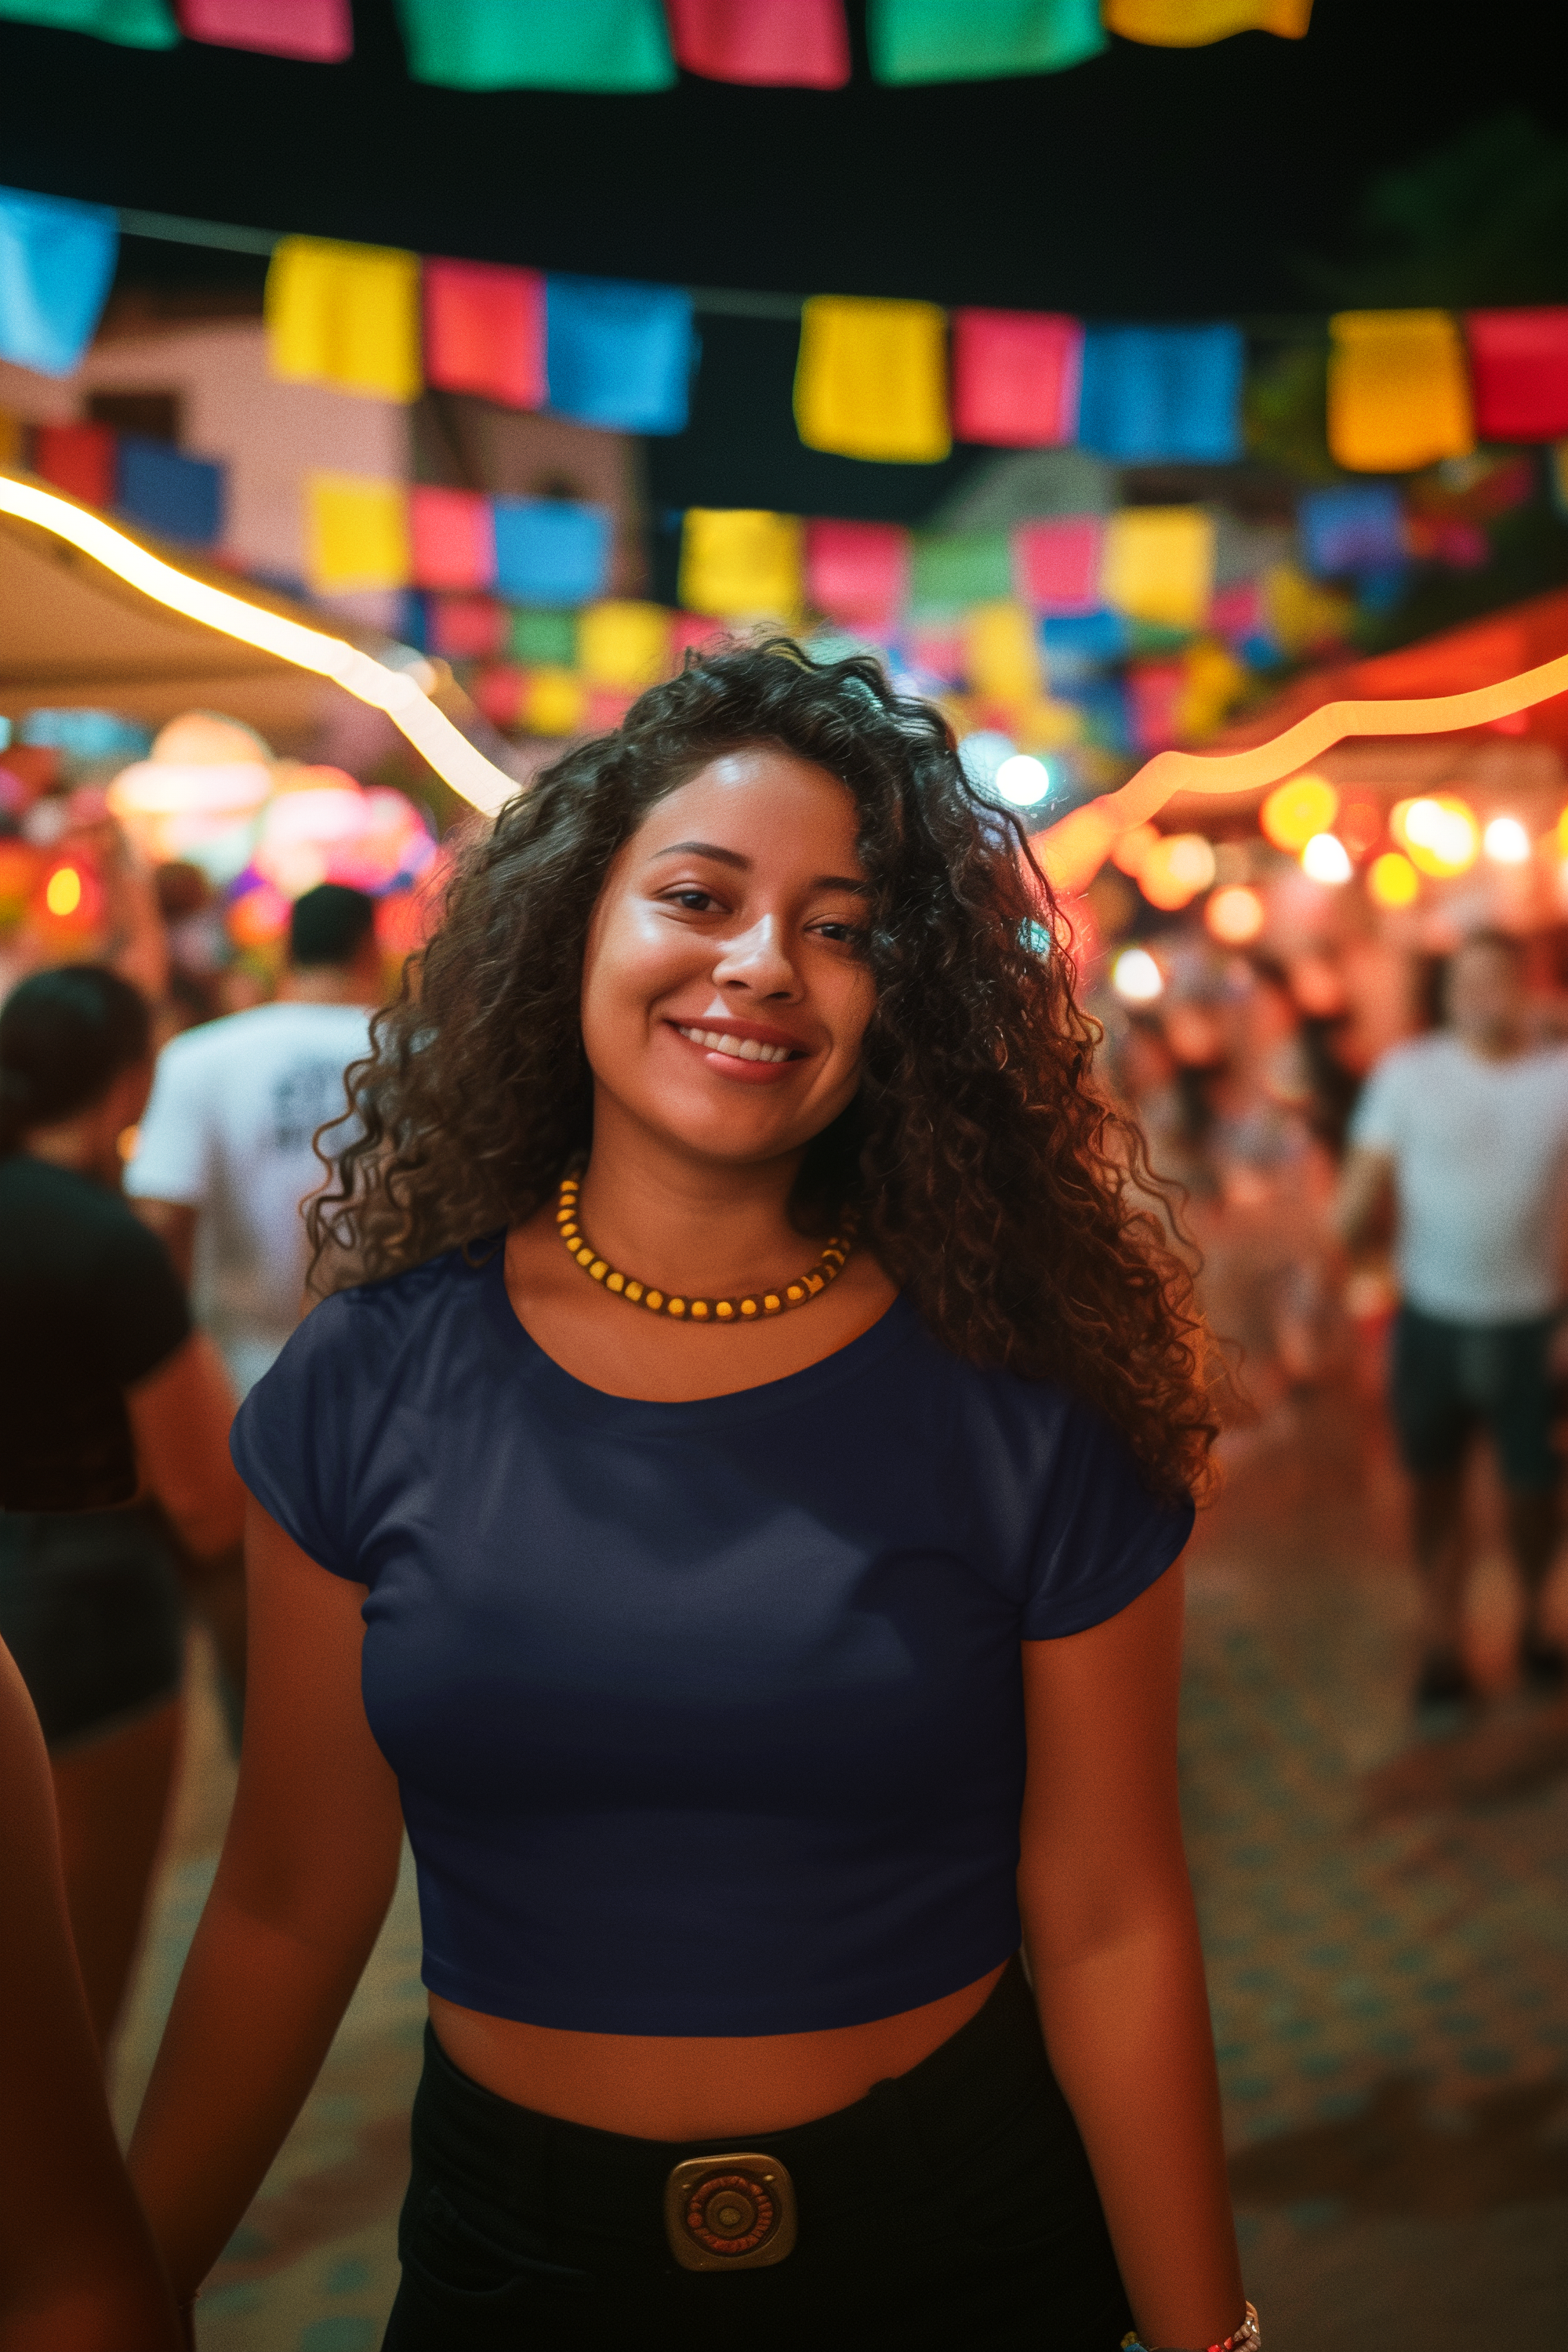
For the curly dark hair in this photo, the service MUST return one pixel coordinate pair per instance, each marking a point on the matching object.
(994, 1180)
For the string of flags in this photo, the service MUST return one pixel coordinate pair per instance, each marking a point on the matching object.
(638, 45)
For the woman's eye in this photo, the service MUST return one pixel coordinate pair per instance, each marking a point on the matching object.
(846, 932)
(696, 902)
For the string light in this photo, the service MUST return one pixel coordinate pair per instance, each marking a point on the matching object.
(1506, 842)
(62, 891)
(1136, 977)
(1325, 858)
(396, 692)
(1235, 915)
(1392, 880)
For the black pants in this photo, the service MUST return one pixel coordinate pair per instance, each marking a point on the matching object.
(91, 1611)
(952, 2209)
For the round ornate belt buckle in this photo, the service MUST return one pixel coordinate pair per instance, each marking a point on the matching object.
(730, 2212)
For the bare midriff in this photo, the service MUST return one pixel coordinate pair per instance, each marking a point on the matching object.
(684, 2087)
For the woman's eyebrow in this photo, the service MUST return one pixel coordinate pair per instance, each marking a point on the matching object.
(743, 865)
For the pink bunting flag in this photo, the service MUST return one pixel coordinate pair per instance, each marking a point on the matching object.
(453, 537)
(803, 44)
(467, 629)
(1519, 374)
(1015, 378)
(484, 332)
(1057, 562)
(319, 31)
(858, 572)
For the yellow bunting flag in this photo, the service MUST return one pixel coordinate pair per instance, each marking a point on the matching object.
(345, 314)
(357, 534)
(871, 380)
(1158, 566)
(1002, 653)
(1399, 396)
(1193, 23)
(554, 701)
(623, 644)
(741, 563)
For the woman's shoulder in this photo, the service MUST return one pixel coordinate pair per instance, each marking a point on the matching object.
(374, 1322)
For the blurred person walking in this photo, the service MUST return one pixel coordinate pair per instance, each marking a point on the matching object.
(1465, 1136)
(224, 1155)
(78, 2271)
(111, 1412)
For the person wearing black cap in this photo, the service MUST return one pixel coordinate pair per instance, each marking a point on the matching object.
(224, 1156)
(113, 1433)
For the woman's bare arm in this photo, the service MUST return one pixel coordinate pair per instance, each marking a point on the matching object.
(77, 2270)
(180, 1416)
(307, 1870)
(1112, 1941)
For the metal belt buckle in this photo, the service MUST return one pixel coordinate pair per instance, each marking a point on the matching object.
(730, 2212)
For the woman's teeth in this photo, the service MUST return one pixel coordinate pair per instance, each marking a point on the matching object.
(745, 1049)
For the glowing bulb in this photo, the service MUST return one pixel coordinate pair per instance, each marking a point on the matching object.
(1392, 880)
(1023, 780)
(985, 754)
(1325, 858)
(1294, 811)
(1177, 866)
(1235, 915)
(62, 891)
(1136, 977)
(1506, 842)
(1439, 832)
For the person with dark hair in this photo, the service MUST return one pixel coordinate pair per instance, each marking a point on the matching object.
(78, 2271)
(225, 1155)
(728, 1507)
(1463, 1135)
(113, 1430)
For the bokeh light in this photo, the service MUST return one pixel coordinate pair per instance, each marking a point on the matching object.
(1023, 780)
(1392, 880)
(1359, 825)
(1295, 811)
(1326, 859)
(62, 891)
(1438, 832)
(1136, 977)
(1175, 869)
(1235, 915)
(1506, 842)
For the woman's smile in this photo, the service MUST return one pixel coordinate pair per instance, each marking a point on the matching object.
(742, 1049)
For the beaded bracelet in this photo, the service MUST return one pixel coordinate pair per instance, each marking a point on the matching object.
(1249, 2337)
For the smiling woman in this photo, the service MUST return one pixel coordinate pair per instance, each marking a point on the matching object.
(748, 1701)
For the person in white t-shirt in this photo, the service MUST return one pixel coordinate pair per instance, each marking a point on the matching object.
(224, 1155)
(1466, 1131)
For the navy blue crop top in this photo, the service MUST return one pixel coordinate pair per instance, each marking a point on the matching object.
(708, 1718)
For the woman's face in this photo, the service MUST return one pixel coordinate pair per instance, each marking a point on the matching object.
(725, 990)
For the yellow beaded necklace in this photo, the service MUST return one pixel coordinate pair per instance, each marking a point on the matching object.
(798, 1293)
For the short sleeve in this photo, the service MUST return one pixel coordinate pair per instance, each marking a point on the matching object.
(1099, 1538)
(293, 1440)
(171, 1161)
(1375, 1127)
(140, 1309)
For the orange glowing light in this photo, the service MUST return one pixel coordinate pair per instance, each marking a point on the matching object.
(1136, 843)
(1392, 880)
(1360, 826)
(62, 891)
(1295, 812)
(1235, 915)
(1175, 869)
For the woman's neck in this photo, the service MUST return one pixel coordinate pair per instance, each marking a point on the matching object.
(701, 1226)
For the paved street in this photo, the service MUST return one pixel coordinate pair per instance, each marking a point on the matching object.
(1386, 1921)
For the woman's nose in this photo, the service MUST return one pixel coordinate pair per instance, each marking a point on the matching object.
(757, 959)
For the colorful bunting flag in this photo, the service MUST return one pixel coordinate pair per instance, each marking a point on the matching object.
(801, 44)
(624, 645)
(167, 491)
(1158, 395)
(554, 702)
(619, 356)
(56, 263)
(1193, 24)
(79, 459)
(1002, 654)
(1356, 530)
(552, 550)
(465, 628)
(1519, 369)
(452, 538)
(543, 638)
(484, 332)
(319, 31)
(956, 40)
(1015, 377)
(357, 533)
(345, 314)
(741, 563)
(1057, 562)
(592, 45)
(858, 572)
(1159, 564)
(130, 23)
(692, 633)
(954, 569)
(1080, 645)
(1398, 394)
(871, 380)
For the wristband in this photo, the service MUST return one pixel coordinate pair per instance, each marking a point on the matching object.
(1247, 2337)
